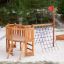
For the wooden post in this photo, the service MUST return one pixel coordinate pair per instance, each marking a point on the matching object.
(53, 28)
(51, 9)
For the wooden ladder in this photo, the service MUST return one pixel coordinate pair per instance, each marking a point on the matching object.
(29, 41)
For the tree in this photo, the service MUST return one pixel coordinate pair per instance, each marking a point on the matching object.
(61, 7)
(23, 7)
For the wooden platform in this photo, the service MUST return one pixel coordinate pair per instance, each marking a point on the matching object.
(60, 37)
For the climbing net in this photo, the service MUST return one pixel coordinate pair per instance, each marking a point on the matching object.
(44, 36)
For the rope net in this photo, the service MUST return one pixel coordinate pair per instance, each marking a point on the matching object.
(44, 36)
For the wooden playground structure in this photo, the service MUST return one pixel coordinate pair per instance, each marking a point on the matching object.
(24, 35)
(21, 34)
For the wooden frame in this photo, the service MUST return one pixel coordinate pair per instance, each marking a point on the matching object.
(15, 34)
(15, 31)
(49, 24)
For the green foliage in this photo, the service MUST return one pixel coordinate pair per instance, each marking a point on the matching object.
(61, 7)
(22, 7)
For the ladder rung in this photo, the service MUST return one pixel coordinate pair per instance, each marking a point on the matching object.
(29, 48)
(29, 44)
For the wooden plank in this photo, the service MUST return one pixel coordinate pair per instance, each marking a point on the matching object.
(49, 24)
(60, 37)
